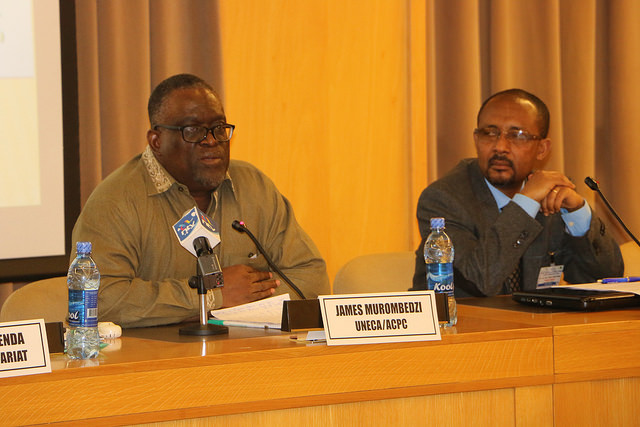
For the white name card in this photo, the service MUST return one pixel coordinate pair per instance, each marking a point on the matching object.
(380, 318)
(23, 348)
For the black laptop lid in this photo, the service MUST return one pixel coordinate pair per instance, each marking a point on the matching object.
(577, 299)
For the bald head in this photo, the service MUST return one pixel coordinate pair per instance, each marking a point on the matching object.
(522, 97)
(167, 86)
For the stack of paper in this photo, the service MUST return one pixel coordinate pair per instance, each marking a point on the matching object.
(264, 313)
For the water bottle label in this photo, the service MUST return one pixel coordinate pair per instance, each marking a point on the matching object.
(83, 308)
(440, 277)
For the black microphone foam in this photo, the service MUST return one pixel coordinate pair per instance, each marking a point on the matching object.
(238, 226)
(242, 228)
(593, 184)
(208, 265)
(202, 246)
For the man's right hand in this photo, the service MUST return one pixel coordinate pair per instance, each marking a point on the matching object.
(243, 284)
(553, 190)
(541, 182)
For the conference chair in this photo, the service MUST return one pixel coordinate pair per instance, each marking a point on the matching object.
(44, 299)
(631, 255)
(382, 272)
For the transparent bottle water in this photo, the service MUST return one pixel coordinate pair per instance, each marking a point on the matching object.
(438, 255)
(83, 280)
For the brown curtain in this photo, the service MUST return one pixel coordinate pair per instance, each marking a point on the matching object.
(125, 48)
(353, 107)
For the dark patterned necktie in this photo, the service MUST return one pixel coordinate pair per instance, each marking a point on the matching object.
(513, 281)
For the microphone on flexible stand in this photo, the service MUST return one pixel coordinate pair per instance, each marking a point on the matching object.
(208, 276)
(196, 231)
(239, 226)
(594, 185)
(208, 264)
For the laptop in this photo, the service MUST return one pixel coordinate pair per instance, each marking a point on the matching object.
(577, 299)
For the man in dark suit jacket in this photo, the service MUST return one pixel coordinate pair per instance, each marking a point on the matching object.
(505, 216)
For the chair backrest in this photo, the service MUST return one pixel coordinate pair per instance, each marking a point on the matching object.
(383, 272)
(44, 299)
(631, 255)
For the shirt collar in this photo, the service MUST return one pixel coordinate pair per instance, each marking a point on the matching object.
(501, 199)
(159, 176)
(162, 180)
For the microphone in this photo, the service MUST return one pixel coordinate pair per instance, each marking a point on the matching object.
(201, 246)
(594, 185)
(193, 224)
(196, 231)
(240, 227)
(208, 264)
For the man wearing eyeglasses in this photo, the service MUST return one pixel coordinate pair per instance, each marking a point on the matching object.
(129, 218)
(509, 220)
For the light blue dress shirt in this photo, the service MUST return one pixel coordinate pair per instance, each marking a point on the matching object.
(576, 222)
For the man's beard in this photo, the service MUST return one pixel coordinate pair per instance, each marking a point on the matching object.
(210, 179)
(209, 182)
(501, 180)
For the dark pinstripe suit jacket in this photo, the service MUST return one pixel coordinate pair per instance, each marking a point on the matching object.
(488, 243)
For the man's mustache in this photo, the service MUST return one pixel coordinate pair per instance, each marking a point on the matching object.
(501, 159)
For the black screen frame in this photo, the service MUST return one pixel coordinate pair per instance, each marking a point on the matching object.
(28, 269)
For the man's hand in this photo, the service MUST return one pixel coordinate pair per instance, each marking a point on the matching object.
(243, 284)
(561, 197)
(553, 191)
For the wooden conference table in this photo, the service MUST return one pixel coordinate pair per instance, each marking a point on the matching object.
(503, 364)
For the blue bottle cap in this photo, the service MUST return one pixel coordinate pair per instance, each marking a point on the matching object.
(437, 223)
(83, 247)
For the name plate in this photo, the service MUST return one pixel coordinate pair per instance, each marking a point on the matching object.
(23, 348)
(380, 317)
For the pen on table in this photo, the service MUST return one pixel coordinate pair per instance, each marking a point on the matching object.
(620, 279)
(237, 323)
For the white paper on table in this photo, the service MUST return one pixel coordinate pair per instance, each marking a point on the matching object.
(266, 311)
(316, 336)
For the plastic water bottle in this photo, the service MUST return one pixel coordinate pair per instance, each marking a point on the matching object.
(438, 255)
(83, 280)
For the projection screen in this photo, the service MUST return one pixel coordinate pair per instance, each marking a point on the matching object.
(38, 137)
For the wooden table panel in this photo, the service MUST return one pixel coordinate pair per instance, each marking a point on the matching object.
(492, 408)
(587, 345)
(534, 406)
(316, 377)
(521, 367)
(597, 352)
(170, 377)
(598, 403)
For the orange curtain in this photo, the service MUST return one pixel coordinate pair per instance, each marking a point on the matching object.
(353, 107)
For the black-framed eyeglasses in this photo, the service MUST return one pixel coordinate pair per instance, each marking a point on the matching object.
(491, 135)
(221, 132)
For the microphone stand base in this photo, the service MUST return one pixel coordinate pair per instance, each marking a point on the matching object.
(200, 330)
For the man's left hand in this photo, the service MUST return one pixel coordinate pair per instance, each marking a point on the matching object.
(561, 197)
